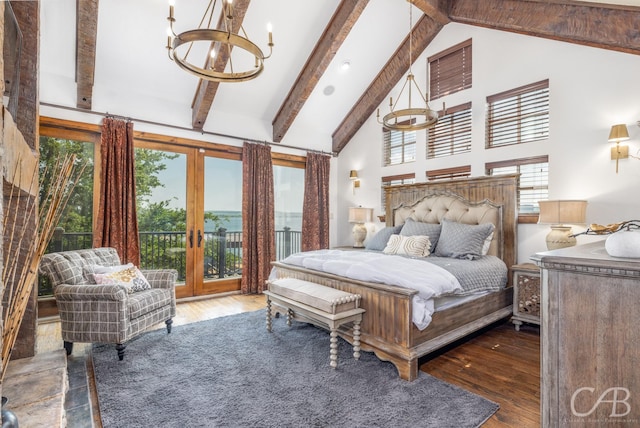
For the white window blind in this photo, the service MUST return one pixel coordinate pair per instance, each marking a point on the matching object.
(449, 173)
(450, 70)
(534, 180)
(398, 147)
(520, 115)
(452, 133)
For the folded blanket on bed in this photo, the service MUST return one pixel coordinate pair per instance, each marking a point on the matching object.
(428, 279)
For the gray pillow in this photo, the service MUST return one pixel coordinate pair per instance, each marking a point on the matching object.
(432, 230)
(379, 241)
(462, 241)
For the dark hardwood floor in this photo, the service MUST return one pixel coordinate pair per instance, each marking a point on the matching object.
(498, 363)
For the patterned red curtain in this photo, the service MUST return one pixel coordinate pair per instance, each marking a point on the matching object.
(315, 208)
(117, 222)
(258, 224)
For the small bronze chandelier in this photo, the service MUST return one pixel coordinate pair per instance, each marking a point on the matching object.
(220, 39)
(410, 118)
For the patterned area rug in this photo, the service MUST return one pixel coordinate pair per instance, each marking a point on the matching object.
(230, 372)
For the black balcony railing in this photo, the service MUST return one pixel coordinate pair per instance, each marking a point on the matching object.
(168, 250)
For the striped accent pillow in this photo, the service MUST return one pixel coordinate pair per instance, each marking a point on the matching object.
(416, 245)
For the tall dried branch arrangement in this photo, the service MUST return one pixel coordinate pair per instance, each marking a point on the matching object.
(23, 250)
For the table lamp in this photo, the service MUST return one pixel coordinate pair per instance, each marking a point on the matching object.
(359, 216)
(559, 214)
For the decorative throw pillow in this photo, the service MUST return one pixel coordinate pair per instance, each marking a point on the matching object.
(380, 239)
(89, 271)
(412, 228)
(461, 240)
(417, 246)
(131, 278)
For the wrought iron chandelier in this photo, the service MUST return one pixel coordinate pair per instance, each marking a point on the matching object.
(221, 39)
(410, 118)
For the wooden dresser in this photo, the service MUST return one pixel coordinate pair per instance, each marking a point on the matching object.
(590, 338)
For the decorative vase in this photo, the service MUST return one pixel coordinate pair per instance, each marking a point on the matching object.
(9, 419)
(625, 243)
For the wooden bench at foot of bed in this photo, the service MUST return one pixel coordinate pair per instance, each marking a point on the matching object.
(326, 306)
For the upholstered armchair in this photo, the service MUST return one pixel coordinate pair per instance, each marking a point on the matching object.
(105, 313)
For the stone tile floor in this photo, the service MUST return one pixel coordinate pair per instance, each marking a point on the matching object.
(49, 390)
(35, 388)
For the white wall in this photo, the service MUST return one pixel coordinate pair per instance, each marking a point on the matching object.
(590, 90)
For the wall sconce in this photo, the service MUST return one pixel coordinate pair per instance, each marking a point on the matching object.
(353, 176)
(360, 216)
(619, 133)
(558, 214)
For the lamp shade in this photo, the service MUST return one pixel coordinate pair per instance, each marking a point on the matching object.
(353, 174)
(618, 133)
(562, 212)
(360, 215)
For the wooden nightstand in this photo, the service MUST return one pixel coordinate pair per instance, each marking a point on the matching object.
(526, 294)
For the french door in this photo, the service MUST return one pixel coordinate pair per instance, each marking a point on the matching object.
(190, 215)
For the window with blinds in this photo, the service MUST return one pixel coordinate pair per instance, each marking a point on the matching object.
(398, 147)
(517, 116)
(395, 180)
(451, 135)
(534, 180)
(449, 173)
(450, 70)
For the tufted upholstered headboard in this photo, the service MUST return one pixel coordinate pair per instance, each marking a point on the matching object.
(501, 190)
(445, 205)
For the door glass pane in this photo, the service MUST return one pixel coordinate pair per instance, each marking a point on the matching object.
(161, 184)
(289, 195)
(222, 218)
(74, 230)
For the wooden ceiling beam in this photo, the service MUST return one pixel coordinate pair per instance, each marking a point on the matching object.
(597, 25)
(207, 89)
(86, 35)
(423, 33)
(343, 20)
(438, 10)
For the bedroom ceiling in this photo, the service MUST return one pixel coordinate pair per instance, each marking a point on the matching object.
(121, 65)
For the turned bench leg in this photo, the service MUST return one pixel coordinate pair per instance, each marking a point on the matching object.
(268, 315)
(356, 339)
(333, 348)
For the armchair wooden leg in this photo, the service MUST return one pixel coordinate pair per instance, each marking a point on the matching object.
(120, 348)
(168, 323)
(68, 347)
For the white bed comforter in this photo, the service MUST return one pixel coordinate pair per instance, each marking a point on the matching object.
(428, 279)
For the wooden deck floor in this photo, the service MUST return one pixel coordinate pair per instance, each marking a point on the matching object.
(499, 364)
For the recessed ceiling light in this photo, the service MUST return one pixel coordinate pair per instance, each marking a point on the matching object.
(345, 65)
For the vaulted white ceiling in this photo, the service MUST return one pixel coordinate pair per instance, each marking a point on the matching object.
(134, 76)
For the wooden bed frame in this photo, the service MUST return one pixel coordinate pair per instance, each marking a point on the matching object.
(387, 328)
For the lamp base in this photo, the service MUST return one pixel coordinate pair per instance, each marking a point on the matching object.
(559, 237)
(359, 235)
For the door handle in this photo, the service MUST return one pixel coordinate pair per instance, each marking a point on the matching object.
(199, 238)
(191, 238)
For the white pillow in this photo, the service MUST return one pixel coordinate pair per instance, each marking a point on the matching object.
(109, 269)
(487, 244)
(416, 245)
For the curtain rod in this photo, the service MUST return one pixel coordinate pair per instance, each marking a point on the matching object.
(184, 128)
